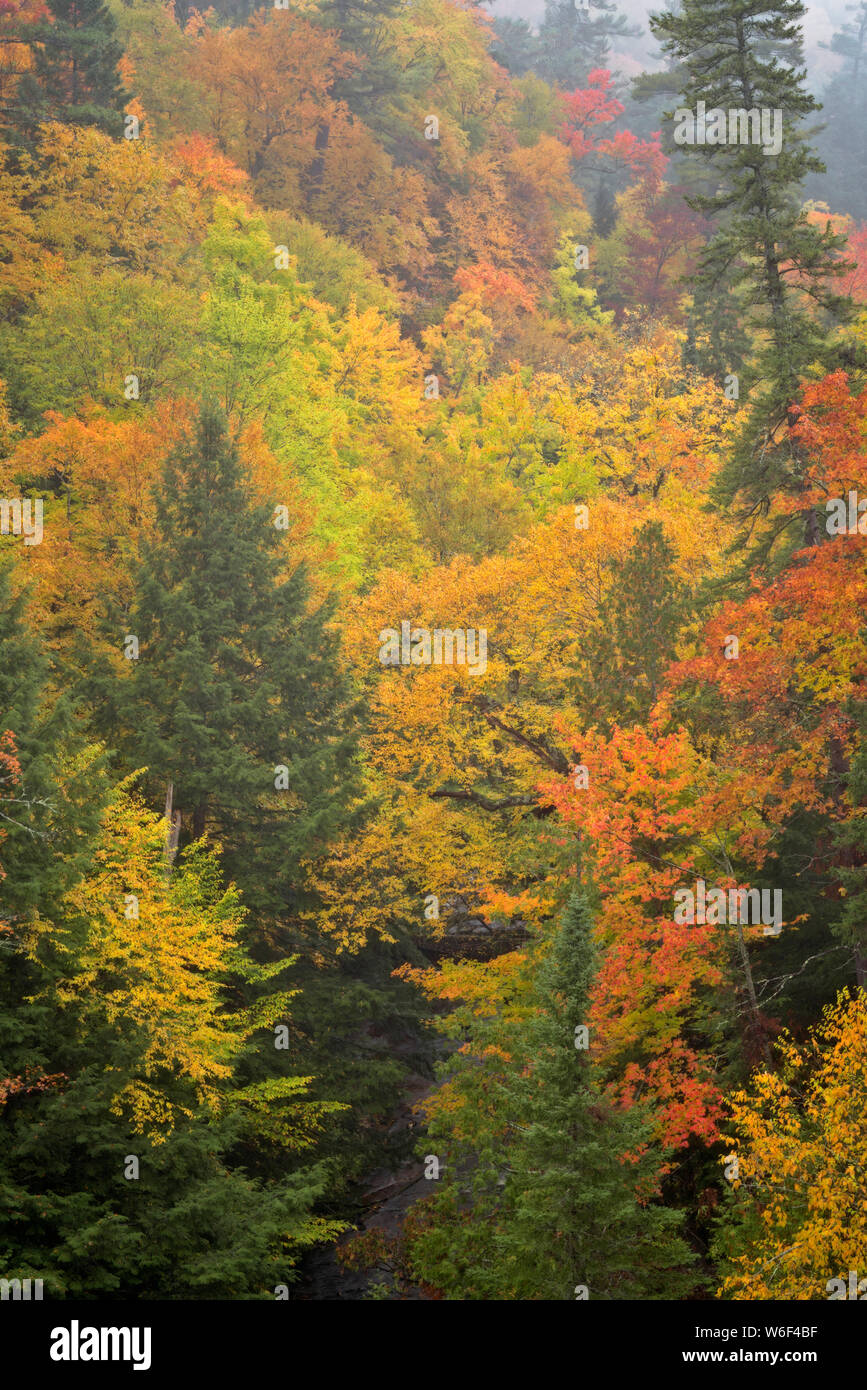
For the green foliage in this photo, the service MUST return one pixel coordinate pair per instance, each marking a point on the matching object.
(515, 45)
(557, 1175)
(239, 675)
(394, 346)
(107, 1055)
(575, 301)
(87, 335)
(336, 272)
(575, 38)
(783, 270)
(629, 653)
(53, 807)
(73, 77)
(842, 140)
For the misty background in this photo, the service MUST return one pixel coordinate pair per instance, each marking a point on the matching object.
(631, 56)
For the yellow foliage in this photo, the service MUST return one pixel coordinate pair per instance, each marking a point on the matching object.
(154, 952)
(801, 1148)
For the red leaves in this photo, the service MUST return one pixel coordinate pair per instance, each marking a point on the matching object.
(206, 167)
(10, 778)
(649, 808)
(24, 12)
(596, 105)
(495, 286)
(802, 653)
(30, 1082)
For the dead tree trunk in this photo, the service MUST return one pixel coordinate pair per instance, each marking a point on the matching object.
(173, 829)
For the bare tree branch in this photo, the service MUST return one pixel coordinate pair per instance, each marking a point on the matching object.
(486, 803)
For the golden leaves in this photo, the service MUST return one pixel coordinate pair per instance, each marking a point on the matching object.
(801, 1147)
(152, 959)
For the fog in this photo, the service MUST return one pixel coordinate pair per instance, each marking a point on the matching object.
(635, 55)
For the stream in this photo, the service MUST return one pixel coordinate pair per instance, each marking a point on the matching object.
(387, 1195)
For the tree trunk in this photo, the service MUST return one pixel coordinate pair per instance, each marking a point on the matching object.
(173, 828)
(757, 1023)
(317, 165)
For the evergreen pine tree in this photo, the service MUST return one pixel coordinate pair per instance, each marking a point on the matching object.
(53, 809)
(237, 697)
(604, 209)
(106, 1053)
(717, 344)
(550, 1185)
(239, 678)
(576, 1213)
(74, 75)
(850, 40)
(851, 872)
(630, 648)
(51, 794)
(374, 85)
(515, 45)
(745, 55)
(575, 38)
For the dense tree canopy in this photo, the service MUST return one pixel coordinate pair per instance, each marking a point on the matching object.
(432, 652)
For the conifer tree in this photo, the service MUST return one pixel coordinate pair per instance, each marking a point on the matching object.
(575, 38)
(55, 803)
(745, 55)
(605, 211)
(239, 701)
(515, 45)
(556, 1196)
(577, 1215)
(377, 77)
(73, 77)
(237, 697)
(717, 344)
(851, 871)
(850, 40)
(629, 649)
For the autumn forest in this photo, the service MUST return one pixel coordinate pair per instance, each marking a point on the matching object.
(433, 653)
